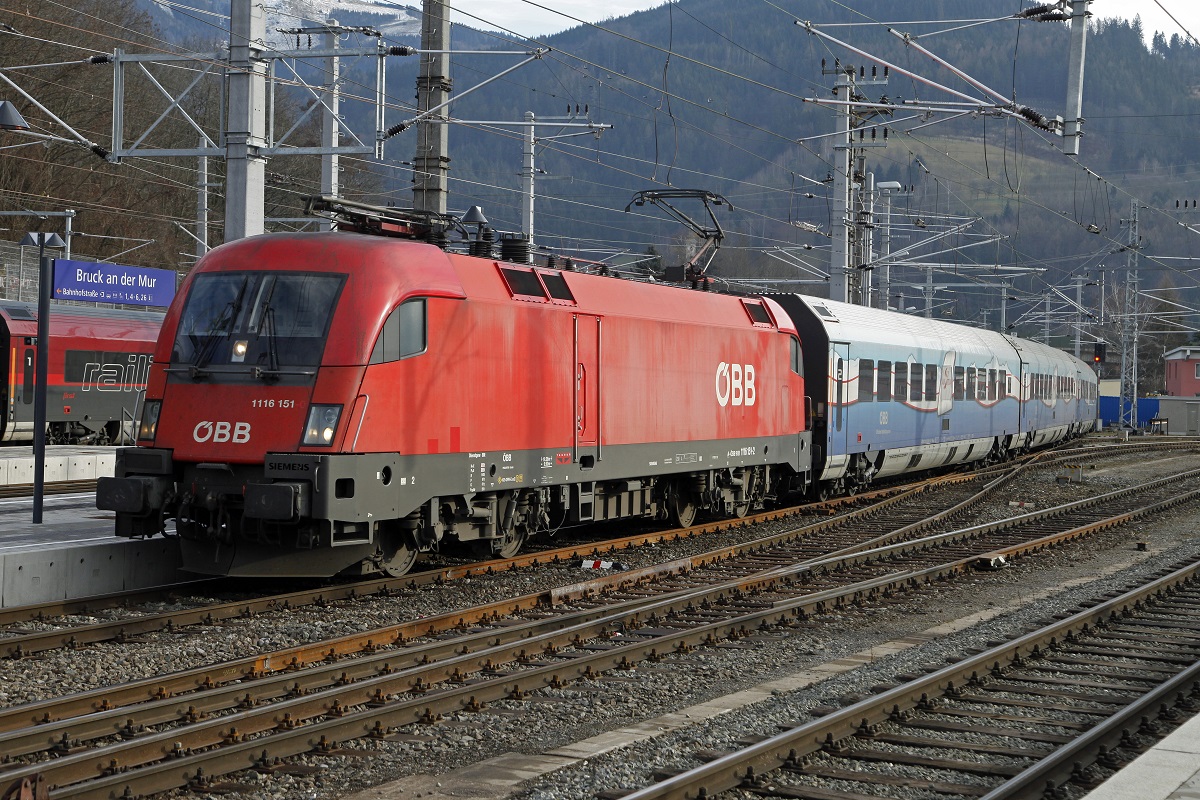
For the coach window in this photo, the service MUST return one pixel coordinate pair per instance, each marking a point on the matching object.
(901, 380)
(866, 379)
(403, 335)
(970, 385)
(958, 382)
(914, 383)
(1002, 384)
(883, 386)
(931, 382)
(797, 362)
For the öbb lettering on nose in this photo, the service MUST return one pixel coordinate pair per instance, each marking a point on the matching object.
(222, 431)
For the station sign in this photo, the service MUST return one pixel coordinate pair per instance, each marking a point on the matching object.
(112, 283)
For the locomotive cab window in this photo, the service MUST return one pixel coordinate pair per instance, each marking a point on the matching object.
(797, 361)
(267, 320)
(403, 335)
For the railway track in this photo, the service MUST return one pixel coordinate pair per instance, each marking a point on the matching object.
(889, 513)
(146, 737)
(1063, 705)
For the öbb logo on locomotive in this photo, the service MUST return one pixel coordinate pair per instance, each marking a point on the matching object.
(735, 384)
(221, 431)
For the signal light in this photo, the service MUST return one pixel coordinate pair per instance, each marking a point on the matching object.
(1099, 351)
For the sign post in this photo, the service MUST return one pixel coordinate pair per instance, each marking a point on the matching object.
(80, 280)
(45, 268)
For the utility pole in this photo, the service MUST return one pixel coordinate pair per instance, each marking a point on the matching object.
(528, 172)
(885, 189)
(1046, 321)
(1080, 281)
(1073, 125)
(246, 168)
(201, 203)
(839, 257)
(431, 164)
(865, 238)
(529, 155)
(331, 134)
(850, 231)
(1129, 324)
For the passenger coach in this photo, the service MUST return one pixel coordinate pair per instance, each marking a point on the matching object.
(896, 393)
(98, 362)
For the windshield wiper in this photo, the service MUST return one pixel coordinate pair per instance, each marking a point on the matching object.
(271, 372)
(223, 325)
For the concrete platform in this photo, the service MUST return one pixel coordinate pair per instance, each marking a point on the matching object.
(73, 553)
(63, 463)
(1169, 771)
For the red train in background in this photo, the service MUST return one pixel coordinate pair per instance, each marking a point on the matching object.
(99, 363)
(330, 402)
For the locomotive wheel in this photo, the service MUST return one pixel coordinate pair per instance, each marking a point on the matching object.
(740, 510)
(512, 543)
(683, 510)
(399, 554)
(505, 546)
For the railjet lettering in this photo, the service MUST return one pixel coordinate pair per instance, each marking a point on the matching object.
(221, 431)
(735, 384)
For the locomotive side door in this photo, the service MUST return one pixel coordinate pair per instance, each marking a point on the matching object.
(587, 390)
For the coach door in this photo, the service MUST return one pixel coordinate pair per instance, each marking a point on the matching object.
(839, 396)
(587, 390)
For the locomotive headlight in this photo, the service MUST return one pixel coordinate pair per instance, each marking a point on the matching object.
(239, 350)
(321, 425)
(148, 426)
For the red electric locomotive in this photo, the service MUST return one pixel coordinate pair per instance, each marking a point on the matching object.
(99, 360)
(331, 402)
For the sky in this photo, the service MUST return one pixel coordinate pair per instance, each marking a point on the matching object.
(533, 19)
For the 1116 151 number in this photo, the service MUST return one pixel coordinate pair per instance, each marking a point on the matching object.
(268, 403)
